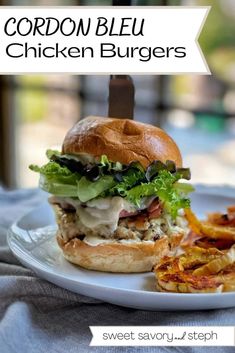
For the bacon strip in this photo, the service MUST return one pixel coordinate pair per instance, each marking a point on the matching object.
(155, 209)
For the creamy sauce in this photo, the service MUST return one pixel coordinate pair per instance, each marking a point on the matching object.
(83, 157)
(96, 240)
(180, 226)
(102, 212)
(101, 216)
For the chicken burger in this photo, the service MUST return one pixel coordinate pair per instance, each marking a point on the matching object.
(117, 194)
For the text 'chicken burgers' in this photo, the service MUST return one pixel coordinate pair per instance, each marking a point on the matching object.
(116, 194)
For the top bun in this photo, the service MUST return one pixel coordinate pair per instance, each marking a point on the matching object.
(121, 140)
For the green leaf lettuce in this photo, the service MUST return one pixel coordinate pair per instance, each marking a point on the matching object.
(116, 180)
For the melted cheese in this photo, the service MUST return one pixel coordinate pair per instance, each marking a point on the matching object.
(103, 212)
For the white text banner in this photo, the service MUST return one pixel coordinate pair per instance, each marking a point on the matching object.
(162, 336)
(102, 40)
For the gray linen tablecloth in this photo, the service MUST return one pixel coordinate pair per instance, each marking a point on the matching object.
(36, 316)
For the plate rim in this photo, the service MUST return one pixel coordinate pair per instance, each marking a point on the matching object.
(36, 264)
(45, 268)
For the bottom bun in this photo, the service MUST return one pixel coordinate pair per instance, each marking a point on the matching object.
(115, 257)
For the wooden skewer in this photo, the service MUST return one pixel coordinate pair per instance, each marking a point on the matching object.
(121, 88)
(121, 97)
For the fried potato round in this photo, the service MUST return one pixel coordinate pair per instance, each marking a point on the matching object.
(216, 232)
(198, 270)
(193, 222)
(206, 243)
(209, 229)
(217, 265)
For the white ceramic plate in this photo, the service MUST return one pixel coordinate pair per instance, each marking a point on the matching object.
(32, 240)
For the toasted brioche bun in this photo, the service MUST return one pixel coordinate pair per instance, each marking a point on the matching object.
(115, 257)
(125, 141)
(121, 140)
